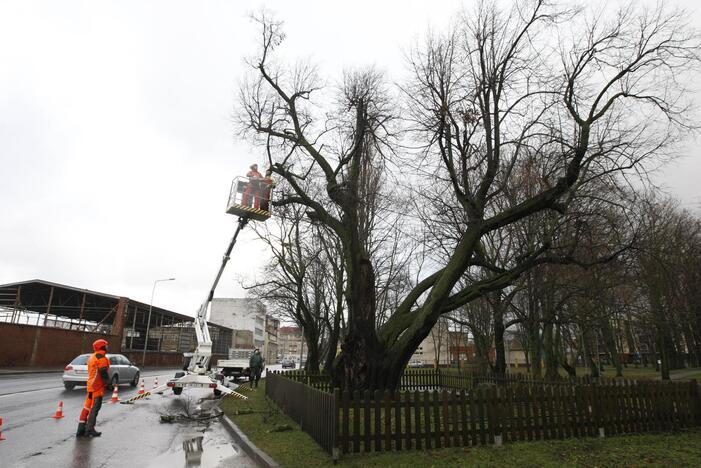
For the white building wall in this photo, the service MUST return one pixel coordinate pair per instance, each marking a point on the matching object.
(240, 314)
(426, 353)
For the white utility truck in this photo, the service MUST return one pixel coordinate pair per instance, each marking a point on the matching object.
(236, 368)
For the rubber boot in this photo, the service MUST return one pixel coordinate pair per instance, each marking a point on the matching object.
(93, 433)
(81, 430)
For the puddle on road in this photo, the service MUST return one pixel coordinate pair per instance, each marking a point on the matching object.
(201, 451)
(202, 444)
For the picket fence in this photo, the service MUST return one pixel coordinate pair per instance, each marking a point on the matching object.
(465, 412)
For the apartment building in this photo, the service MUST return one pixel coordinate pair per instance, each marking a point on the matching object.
(271, 346)
(291, 344)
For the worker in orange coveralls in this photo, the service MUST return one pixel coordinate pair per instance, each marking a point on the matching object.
(265, 189)
(251, 189)
(98, 379)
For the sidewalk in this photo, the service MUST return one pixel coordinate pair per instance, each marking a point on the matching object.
(29, 370)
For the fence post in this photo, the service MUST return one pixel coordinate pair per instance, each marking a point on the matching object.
(695, 402)
(596, 408)
(335, 452)
(498, 423)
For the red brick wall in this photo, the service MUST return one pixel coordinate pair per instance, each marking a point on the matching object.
(16, 345)
(32, 346)
(56, 347)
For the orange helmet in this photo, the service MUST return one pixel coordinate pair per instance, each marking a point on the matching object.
(99, 344)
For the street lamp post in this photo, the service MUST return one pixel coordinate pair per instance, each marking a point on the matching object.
(148, 323)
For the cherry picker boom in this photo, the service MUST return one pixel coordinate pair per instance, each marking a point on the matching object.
(198, 373)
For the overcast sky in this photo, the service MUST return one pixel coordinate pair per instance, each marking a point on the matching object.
(117, 147)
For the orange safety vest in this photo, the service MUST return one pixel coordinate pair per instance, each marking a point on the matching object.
(97, 361)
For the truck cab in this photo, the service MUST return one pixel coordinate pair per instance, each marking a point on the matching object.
(236, 367)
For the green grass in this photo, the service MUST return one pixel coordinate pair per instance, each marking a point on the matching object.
(296, 449)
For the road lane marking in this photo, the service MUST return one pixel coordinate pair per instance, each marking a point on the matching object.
(2, 395)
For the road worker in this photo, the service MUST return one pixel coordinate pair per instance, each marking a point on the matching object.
(251, 190)
(98, 379)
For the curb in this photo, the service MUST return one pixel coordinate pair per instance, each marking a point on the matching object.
(31, 371)
(259, 456)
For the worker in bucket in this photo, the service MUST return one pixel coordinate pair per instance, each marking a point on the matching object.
(98, 379)
(256, 366)
(266, 187)
(251, 190)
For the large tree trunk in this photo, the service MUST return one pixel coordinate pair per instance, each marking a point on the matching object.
(550, 352)
(664, 356)
(690, 339)
(535, 349)
(334, 335)
(362, 358)
(588, 354)
(311, 335)
(610, 342)
(500, 354)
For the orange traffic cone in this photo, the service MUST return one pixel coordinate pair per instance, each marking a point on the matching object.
(141, 388)
(1, 437)
(155, 383)
(59, 411)
(115, 395)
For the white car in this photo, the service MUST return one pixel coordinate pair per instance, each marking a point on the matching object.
(288, 363)
(121, 371)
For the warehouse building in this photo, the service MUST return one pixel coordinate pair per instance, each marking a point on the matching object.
(44, 324)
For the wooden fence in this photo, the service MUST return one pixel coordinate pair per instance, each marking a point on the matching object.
(382, 421)
(519, 411)
(314, 410)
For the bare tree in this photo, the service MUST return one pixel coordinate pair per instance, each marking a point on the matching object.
(485, 97)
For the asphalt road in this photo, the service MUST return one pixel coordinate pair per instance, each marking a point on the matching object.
(132, 435)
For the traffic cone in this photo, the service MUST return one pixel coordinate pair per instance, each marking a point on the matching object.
(115, 395)
(141, 388)
(59, 411)
(1, 437)
(155, 383)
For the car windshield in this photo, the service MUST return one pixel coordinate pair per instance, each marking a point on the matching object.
(81, 360)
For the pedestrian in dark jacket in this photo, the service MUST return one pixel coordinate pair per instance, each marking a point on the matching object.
(256, 366)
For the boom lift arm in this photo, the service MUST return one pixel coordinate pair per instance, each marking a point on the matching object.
(197, 373)
(200, 359)
(240, 197)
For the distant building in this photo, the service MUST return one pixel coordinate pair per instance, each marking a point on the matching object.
(291, 344)
(514, 352)
(434, 349)
(272, 326)
(246, 317)
(462, 349)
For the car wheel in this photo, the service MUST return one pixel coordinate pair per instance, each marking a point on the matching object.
(69, 386)
(114, 382)
(177, 390)
(135, 382)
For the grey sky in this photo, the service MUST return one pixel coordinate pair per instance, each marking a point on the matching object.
(116, 142)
